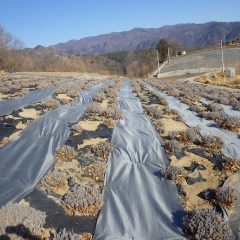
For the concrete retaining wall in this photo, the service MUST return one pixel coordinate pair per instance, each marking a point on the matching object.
(187, 71)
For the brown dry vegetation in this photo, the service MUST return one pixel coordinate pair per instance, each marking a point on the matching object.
(220, 79)
(14, 58)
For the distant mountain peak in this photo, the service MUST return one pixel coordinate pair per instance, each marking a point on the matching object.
(189, 34)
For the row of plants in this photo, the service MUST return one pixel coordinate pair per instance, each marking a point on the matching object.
(198, 223)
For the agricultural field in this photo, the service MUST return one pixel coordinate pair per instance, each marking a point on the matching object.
(204, 59)
(85, 156)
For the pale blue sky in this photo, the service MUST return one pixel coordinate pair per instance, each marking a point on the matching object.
(49, 22)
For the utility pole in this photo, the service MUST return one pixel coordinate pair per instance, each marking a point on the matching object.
(158, 59)
(223, 67)
(168, 54)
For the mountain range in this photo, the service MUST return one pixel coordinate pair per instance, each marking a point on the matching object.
(189, 35)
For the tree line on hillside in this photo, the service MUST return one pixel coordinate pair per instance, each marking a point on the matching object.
(142, 62)
(13, 57)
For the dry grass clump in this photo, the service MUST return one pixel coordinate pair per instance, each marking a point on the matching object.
(153, 112)
(174, 112)
(21, 92)
(109, 122)
(77, 128)
(102, 150)
(4, 90)
(222, 119)
(185, 100)
(64, 101)
(73, 93)
(112, 112)
(215, 107)
(66, 153)
(136, 87)
(86, 236)
(226, 196)
(206, 224)
(162, 101)
(230, 123)
(84, 200)
(175, 173)
(143, 98)
(51, 104)
(54, 179)
(231, 165)
(60, 90)
(218, 116)
(212, 142)
(94, 108)
(172, 146)
(14, 215)
(95, 171)
(63, 234)
(190, 135)
(159, 126)
(195, 108)
(237, 106)
(99, 97)
(111, 91)
(193, 135)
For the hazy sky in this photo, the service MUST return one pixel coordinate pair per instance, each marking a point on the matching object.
(49, 22)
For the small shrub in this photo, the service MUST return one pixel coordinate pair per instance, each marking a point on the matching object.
(86, 236)
(175, 173)
(153, 112)
(190, 135)
(95, 171)
(185, 100)
(223, 100)
(174, 93)
(214, 107)
(99, 97)
(226, 196)
(109, 122)
(206, 224)
(93, 108)
(66, 153)
(73, 93)
(14, 214)
(195, 108)
(231, 165)
(136, 87)
(54, 179)
(113, 113)
(60, 90)
(112, 94)
(193, 135)
(159, 126)
(143, 98)
(174, 112)
(64, 101)
(215, 116)
(63, 234)
(172, 146)
(51, 104)
(212, 142)
(102, 150)
(86, 200)
(162, 101)
(230, 123)
(237, 106)
(77, 128)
